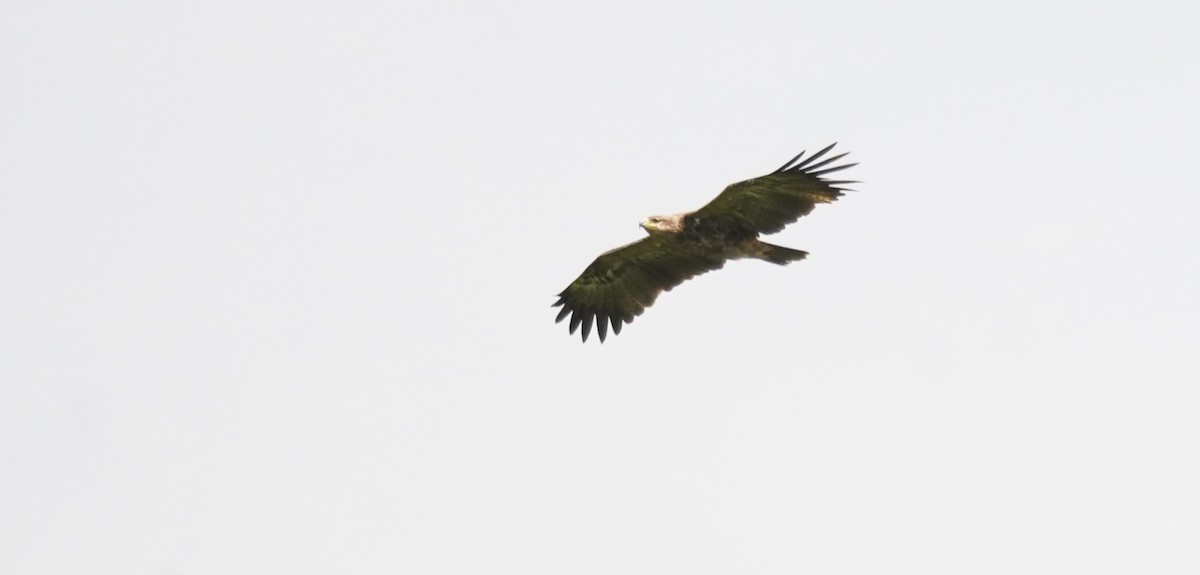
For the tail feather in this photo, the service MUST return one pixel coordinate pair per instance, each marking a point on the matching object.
(779, 254)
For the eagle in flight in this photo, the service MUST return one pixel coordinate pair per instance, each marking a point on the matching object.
(623, 282)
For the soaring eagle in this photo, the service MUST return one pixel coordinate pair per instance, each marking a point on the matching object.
(623, 282)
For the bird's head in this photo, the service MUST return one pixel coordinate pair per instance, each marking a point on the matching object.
(663, 224)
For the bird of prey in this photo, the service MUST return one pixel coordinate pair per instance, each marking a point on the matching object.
(623, 282)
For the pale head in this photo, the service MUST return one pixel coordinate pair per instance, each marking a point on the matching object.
(672, 224)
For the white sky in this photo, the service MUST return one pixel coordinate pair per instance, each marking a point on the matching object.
(277, 277)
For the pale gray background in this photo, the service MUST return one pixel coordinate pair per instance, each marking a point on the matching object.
(277, 276)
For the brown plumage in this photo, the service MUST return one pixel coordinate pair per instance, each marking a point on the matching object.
(623, 282)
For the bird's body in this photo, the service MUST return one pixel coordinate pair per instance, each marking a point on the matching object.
(622, 283)
(716, 237)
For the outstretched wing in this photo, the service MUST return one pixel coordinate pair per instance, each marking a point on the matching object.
(766, 204)
(622, 283)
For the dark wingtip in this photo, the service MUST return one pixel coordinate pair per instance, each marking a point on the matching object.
(826, 161)
(576, 317)
(832, 170)
(587, 325)
(562, 314)
(813, 157)
(789, 163)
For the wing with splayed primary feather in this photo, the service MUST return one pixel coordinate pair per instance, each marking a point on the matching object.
(622, 283)
(766, 204)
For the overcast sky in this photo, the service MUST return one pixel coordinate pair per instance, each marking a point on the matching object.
(276, 286)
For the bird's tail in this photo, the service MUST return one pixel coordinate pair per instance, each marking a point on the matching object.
(779, 254)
